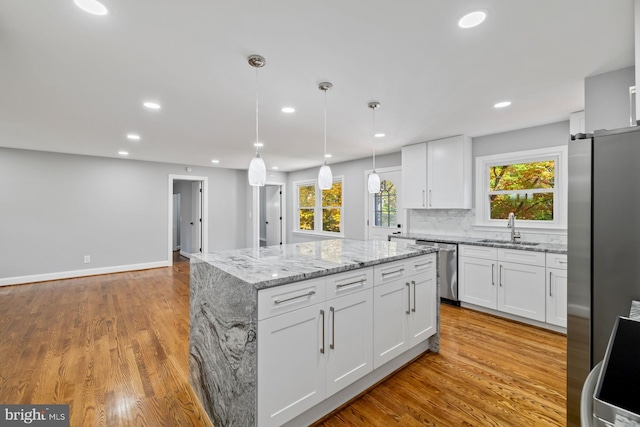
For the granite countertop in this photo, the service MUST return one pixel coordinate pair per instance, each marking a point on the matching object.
(278, 265)
(465, 240)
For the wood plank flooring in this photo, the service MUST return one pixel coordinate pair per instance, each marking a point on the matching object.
(115, 347)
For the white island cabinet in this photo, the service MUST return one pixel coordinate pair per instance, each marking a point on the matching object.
(557, 289)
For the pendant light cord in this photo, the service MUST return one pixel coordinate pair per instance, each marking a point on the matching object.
(325, 127)
(257, 109)
(373, 140)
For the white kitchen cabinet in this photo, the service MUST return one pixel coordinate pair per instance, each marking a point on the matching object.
(556, 275)
(404, 308)
(477, 281)
(521, 290)
(437, 174)
(486, 280)
(449, 173)
(414, 176)
(291, 365)
(349, 340)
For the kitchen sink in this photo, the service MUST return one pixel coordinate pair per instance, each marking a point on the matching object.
(508, 242)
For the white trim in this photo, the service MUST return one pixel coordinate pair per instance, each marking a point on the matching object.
(283, 208)
(185, 254)
(560, 200)
(18, 280)
(318, 218)
(367, 211)
(205, 212)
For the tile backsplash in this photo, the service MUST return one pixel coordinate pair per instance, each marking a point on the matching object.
(459, 222)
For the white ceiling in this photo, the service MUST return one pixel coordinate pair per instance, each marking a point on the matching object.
(74, 83)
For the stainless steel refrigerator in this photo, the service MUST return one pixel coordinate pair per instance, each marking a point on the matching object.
(603, 247)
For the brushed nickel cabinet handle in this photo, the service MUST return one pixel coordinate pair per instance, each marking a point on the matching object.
(351, 283)
(322, 347)
(429, 197)
(280, 301)
(550, 283)
(500, 276)
(408, 298)
(332, 346)
(413, 282)
(493, 280)
(393, 272)
(423, 197)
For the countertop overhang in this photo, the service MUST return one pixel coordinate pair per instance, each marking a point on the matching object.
(270, 266)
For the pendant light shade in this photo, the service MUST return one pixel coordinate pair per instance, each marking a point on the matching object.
(373, 184)
(257, 170)
(325, 177)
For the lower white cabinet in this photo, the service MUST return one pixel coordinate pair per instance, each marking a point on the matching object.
(308, 354)
(557, 297)
(477, 281)
(521, 290)
(404, 314)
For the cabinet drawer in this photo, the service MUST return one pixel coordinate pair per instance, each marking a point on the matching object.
(349, 282)
(389, 272)
(420, 264)
(557, 261)
(286, 298)
(522, 256)
(483, 252)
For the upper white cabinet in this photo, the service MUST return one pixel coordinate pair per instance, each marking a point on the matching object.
(437, 174)
(414, 176)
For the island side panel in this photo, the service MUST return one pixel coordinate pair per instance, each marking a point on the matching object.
(222, 345)
(434, 341)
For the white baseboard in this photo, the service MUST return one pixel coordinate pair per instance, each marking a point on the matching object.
(185, 254)
(80, 273)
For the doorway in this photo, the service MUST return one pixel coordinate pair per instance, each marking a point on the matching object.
(384, 209)
(190, 217)
(269, 215)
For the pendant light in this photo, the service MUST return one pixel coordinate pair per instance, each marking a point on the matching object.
(325, 178)
(373, 184)
(257, 170)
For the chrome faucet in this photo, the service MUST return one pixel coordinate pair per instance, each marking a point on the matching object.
(511, 223)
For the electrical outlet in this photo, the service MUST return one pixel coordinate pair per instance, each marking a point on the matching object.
(87, 259)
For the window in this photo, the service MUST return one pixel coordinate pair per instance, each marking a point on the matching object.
(319, 211)
(531, 184)
(384, 205)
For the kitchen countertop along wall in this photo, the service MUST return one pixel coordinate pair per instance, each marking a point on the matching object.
(224, 311)
(478, 241)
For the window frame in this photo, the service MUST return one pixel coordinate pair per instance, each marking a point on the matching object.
(558, 154)
(317, 209)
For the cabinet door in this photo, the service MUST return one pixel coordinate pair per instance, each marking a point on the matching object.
(414, 176)
(521, 290)
(349, 339)
(557, 296)
(291, 367)
(422, 320)
(391, 308)
(477, 281)
(449, 173)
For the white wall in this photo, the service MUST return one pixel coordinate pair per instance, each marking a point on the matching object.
(460, 222)
(353, 192)
(606, 99)
(56, 208)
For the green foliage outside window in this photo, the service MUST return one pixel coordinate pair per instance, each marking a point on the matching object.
(384, 205)
(508, 190)
(331, 207)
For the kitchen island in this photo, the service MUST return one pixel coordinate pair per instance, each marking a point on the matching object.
(238, 296)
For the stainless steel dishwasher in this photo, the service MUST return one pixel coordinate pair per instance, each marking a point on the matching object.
(448, 268)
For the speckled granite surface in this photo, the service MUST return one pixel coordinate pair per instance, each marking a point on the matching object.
(224, 309)
(463, 240)
(634, 313)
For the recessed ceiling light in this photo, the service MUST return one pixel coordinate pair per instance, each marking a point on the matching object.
(91, 6)
(288, 110)
(327, 155)
(502, 104)
(275, 168)
(258, 144)
(379, 135)
(133, 136)
(152, 105)
(215, 161)
(472, 19)
(123, 153)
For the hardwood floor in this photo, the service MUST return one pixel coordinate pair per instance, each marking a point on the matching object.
(115, 347)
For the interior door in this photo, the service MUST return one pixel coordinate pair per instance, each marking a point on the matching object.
(273, 217)
(384, 208)
(176, 221)
(196, 230)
